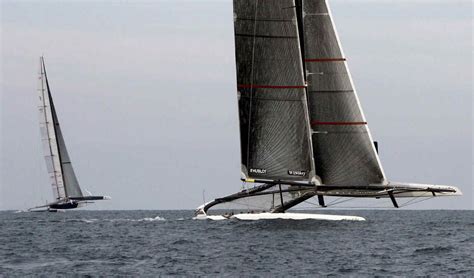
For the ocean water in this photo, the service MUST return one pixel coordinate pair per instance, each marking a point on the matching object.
(150, 243)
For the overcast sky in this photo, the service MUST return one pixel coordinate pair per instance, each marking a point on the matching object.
(146, 96)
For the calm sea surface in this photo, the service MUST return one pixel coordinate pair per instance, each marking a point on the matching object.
(149, 243)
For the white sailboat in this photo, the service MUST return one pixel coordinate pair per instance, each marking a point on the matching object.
(66, 189)
(302, 130)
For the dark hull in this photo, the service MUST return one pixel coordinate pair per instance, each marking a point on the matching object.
(64, 206)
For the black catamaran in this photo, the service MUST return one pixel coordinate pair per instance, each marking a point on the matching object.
(302, 130)
(67, 193)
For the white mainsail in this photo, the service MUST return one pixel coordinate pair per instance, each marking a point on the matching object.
(48, 136)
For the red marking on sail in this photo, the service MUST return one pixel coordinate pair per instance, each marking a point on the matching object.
(325, 60)
(251, 86)
(337, 123)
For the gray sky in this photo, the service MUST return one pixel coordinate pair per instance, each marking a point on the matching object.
(145, 93)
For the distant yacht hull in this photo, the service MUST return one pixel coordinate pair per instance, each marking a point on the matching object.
(69, 205)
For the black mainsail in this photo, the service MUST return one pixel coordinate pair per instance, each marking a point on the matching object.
(64, 183)
(274, 129)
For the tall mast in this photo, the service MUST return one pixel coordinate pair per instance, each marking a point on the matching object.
(300, 23)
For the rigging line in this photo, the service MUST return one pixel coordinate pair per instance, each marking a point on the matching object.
(334, 201)
(407, 202)
(317, 205)
(340, 202)
(245, 199)
(318, 208)
(251, 82)
(313, 207)
(419, 201)
(386, 204)
(412, 200)
(366, 207)
(308, 202)
(247, 205)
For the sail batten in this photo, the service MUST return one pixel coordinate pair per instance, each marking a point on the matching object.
(321, 60)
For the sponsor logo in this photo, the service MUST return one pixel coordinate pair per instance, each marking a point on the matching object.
(258, 171)
(296, 173)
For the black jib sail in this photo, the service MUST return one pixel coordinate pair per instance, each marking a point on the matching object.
(344, 152)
